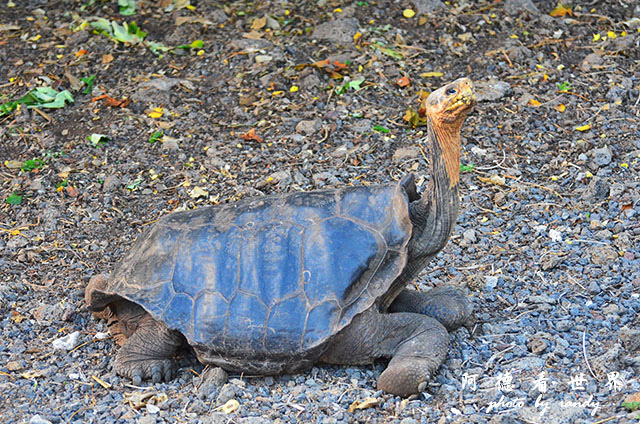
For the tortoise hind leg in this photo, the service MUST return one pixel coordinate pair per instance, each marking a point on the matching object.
(148, 352)
(417, 345)
(447, 304)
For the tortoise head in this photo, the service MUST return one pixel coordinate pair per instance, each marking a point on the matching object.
(447, 107)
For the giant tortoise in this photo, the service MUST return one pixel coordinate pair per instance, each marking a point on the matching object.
(275, 284)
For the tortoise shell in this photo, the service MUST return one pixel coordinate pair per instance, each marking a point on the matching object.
(268, 277)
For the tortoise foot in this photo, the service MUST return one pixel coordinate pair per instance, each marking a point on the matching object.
(138, 370)
(148, 353)
(449, 305)
(416, 359)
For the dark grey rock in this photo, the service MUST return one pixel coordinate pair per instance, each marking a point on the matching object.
(308, 127)
(405, 153)
(630, 338)
(339, 31)
(228, 392)
(601, 156)
(492, 90)
(428, 7)
(517, 7)
(602, 255)
(596, 191)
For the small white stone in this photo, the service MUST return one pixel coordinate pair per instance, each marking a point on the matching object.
(555, 235)
(74, 376)
(67, 342)
(152, 409)
(491, 281)
(37, 419)
(101, 336)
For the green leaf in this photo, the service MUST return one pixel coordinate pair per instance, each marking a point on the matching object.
(31, 164)
(58, 101)
(103, 26)
(388, 51)
(197, 44)
(134, 185)
(63, 183)
(350, 85)
(127, 7)
(380, 128)
(157, 48)
(124, 33)
(14, 199)
(156, 136)
(88, 82)
(467, 168)
(8, 107)
(98, 139)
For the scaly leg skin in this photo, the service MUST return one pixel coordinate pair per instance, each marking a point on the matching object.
(447, 304)
(417, 345)
(148, 352)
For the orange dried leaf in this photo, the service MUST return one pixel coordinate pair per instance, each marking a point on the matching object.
(560, 107)
(561, 10)
(16, 317)
(251, 135)
(534, 103)
(81, 53)
(403, 82)
(72, 191)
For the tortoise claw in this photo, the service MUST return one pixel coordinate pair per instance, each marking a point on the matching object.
(156, 374)
(136, 377)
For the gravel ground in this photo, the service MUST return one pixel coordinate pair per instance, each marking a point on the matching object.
(547, 242)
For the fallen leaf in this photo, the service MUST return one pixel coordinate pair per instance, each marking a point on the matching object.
(583, 127)
(156, 113)
(534, 103)
(111, 102)
(431, 74)
(253, 35)
(414, 118)
(332, 67)
(137, 400)
(17, 317)
(72, 191)
(13, 164)
(367, 403)
(198, 192)
(107, 58)
(494, 179)
(403, 82)
(33, 374)
(251, 135)
(408, 13)
(230, 406)
(560, 107)
(259, 23)
(561, 10)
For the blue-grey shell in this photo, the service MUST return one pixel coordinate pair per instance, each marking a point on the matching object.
(273, 275)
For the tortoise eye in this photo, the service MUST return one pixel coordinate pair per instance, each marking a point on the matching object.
(451, 91)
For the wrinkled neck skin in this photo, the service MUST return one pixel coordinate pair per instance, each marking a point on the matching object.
(434, 214)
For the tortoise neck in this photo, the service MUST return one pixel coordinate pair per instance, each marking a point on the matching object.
(434, 215)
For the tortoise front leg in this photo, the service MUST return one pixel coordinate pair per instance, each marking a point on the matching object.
(417, 345)
(148, 352)
(447, 304)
